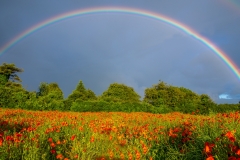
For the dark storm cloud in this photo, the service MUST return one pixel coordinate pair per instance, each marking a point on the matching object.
(138, 51)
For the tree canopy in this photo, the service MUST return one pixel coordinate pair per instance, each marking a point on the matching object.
(9, 72)
(120, 93)
(12, 94)
(80, 94)
(52, 89)
(176, 98)
(50, 97)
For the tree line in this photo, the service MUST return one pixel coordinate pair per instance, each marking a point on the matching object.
(160, 98)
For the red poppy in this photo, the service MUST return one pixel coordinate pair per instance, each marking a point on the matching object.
(230, 136)
(73, 137)
(210, 158)
(53, 151)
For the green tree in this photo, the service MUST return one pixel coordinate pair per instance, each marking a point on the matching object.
(120, 93)
(80, 94)
(12, 94)
(52, 89)
(50, 97)
(157, 95)
(9, 72)
(190, 101)
(205, 104)
(90, 95)
(177, 98)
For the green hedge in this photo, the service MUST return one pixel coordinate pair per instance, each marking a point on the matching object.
(96, 106)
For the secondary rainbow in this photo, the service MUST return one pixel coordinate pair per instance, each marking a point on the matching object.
(126, 10)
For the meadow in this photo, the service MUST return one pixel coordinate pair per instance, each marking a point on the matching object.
(52, 135)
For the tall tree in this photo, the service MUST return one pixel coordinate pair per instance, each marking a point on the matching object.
(176, 98)
(157, 94)
(120, 93)
(80, 94)
(12, 94)
(9, 72)
(50, 97)
(50, 89)
(90, 95)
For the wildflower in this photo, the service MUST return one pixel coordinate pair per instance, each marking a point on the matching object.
(238, 152)
(129, 156)
(58, 142)
(208, 147)
(1, 141)
(232, 158)
(230, 136)
(186, 139)
(111, 154)
(122, 156)
(233, 147)
(50, 140)
(171, 134)
(210, 158)
(110, 138)
(177, 129)
(9, 138)
(59, 156)
(18, 135)
(92, 139)
(138, 155)
(145, 149)
(53, 151)
(52, 145)
(80, 128)
(76, 156)
(123, 142)
(1, 134)
(73, 137)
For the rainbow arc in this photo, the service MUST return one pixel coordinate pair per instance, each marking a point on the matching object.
(126, 10)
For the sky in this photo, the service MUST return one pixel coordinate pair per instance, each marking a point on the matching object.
(139, 51)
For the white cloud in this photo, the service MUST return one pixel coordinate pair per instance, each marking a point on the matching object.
(224, 96)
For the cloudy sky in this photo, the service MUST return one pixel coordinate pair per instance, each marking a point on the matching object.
(138, 51)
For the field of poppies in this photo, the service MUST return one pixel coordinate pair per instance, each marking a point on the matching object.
(50, 135)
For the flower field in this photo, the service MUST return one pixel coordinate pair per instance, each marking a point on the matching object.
(50, 135)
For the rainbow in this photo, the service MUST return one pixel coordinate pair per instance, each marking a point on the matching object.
(133, 11)
(232, 5)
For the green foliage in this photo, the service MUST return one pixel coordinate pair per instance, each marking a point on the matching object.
(52, 90)
(9, 72)
(205, 104)
(32, 102)
(80, 94)
(3, 80)
(120, 93)
(225, 108)
(103, 106)
(49, 97)
(13, 95)
(170, 98)
(90, 95)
